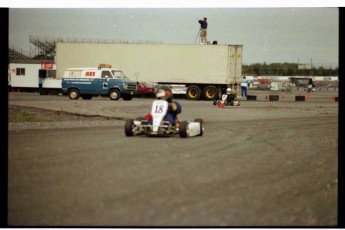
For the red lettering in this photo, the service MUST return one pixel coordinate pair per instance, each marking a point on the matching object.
(47, 65)
(90, 74)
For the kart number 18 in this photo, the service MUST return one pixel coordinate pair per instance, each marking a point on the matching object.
(159, 108)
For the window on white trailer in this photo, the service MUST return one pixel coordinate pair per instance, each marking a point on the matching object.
(20, 71)
(51, 73)
(43, 73)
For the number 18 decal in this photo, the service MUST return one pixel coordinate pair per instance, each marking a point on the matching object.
(159, 108)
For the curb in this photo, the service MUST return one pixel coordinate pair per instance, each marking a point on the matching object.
(274, 97)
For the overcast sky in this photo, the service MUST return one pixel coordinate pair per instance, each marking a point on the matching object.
(273, 34)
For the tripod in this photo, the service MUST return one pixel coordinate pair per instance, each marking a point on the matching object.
(197, 36)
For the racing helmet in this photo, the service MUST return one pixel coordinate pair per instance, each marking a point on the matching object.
(228, 90)
(164, 93)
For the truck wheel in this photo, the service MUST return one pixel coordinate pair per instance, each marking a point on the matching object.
(210, 93)
(193, 92)
(202, 126)
(114, 94)
(129, 126)
(73, 94)
(183, 129)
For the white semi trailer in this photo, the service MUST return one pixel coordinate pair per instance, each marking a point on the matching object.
(204, 70)
(32, 76)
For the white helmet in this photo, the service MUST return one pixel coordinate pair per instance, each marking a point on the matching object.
(164, 93)
(160, 93)
(228, 90)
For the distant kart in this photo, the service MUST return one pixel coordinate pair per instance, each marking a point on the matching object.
(226, 100)
(155, 125)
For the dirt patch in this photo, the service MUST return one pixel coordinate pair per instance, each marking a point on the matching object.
(30, 114)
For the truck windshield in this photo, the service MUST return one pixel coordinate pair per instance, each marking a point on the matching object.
(119, 74)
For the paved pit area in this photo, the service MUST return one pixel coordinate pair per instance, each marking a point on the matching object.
(263, 163)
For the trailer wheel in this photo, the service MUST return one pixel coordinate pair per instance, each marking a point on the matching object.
(210, 93)
(202, 126)
(114, 94)
(73, 94)
(129, 127)
(193, 92)
(183, 129)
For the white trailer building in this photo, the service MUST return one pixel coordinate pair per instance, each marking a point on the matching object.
(33, 75)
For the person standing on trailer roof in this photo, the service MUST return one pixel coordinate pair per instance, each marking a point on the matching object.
(203, 31)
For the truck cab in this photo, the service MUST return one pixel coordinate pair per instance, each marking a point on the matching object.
(104, 81)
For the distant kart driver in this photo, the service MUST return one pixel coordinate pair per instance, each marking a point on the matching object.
(174, 107)
(230, 96)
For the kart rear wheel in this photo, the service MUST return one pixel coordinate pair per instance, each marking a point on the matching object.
(183, 129)
(202, 127)
(129, 126)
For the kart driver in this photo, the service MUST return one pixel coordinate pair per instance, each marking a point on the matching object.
(230, 96)
(174, 108)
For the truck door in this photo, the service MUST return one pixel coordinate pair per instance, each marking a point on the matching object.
(104, 82)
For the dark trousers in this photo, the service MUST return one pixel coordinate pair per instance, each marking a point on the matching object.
(243, 91)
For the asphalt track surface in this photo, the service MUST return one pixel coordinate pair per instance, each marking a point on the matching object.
(263, 163)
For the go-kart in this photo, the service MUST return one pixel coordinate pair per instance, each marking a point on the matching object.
(227, 99)
(154, 124)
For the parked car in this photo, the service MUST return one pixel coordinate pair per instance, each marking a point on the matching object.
(145, 88)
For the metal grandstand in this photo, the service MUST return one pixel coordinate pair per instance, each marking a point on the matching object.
(44, 47)
(17, 53)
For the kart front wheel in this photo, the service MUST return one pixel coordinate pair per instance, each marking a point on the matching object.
(183, 129)
(129, 127)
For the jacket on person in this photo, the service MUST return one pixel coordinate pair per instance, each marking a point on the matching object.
(203, 24)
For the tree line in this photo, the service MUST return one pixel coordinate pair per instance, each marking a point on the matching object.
(287, 69)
